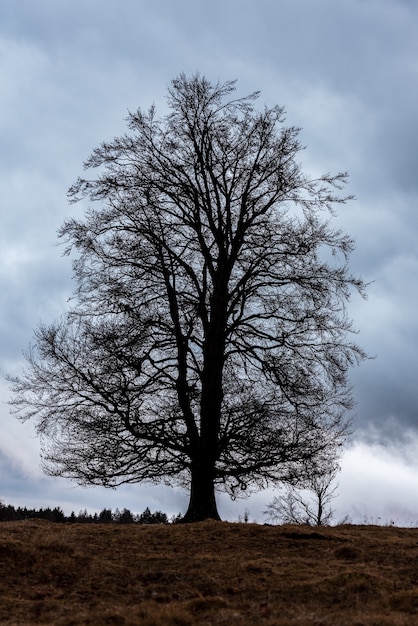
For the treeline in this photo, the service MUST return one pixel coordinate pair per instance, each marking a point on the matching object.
(9, 513)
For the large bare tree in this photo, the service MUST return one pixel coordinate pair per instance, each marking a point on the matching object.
(209, 343)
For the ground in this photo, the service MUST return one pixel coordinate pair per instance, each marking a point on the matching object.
(207, 574)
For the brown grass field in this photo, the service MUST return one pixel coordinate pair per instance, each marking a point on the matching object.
(207, 574)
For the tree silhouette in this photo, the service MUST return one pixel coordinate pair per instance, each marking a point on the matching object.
(105, 516)
(208, 342)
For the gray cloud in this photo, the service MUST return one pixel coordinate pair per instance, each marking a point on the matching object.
(347, 74)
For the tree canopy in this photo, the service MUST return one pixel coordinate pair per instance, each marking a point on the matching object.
(209, 343)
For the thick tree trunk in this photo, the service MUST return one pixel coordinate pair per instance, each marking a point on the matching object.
(202, 503)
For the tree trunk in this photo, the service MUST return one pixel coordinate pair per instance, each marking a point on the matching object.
(202, 503)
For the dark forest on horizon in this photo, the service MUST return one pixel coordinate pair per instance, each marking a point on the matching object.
(9, 513)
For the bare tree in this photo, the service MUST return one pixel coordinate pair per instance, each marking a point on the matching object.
(208, 343)
(306, 503)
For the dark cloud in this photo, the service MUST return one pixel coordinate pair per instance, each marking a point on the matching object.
(347, 74)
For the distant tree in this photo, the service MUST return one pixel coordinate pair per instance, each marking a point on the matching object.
(208, 343)
(7, 512)
(126, 517)
(105, 516)
(58, 514)
(116, 515)
(145, 517)
(84, 517)
(309, 503)
(54, 515)
(160, 517)
(152, 518)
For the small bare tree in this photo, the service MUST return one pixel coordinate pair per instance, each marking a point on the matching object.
(308, 503)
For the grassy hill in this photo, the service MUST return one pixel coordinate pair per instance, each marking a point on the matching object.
(207, 574)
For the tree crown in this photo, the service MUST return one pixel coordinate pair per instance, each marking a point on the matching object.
(210, 327)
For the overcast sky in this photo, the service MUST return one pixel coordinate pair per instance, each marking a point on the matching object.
(347, 73)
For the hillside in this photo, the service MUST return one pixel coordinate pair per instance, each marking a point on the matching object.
(207, 574)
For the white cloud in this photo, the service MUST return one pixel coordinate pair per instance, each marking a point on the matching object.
(380, 483)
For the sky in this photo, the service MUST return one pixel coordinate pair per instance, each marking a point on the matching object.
(347, 74)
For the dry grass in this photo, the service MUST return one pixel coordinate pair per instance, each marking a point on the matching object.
(207, 574)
